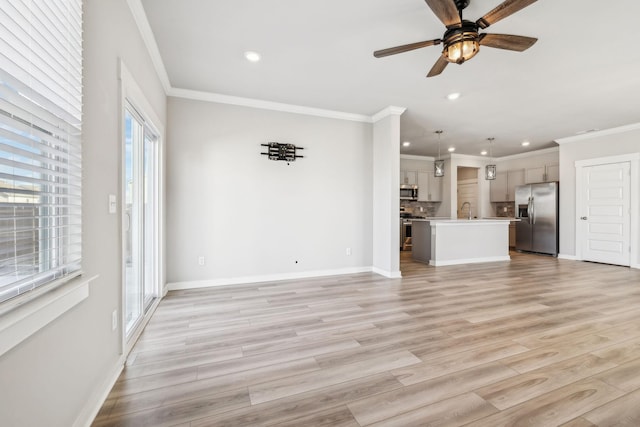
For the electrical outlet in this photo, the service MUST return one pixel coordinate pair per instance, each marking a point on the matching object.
(348, 251)
(114, 319)
(200, 260)
(504, 209)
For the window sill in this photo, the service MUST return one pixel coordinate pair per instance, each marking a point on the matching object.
(21, 322)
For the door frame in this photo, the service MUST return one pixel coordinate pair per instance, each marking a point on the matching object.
(131, 93)
(634, 202)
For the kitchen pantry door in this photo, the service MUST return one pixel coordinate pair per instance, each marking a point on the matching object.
(604, 219)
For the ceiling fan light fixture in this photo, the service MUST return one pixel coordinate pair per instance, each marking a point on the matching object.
(462, 43)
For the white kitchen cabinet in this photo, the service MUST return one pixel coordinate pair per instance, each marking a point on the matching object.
(498, 187)
(435, 188)
(544, 173)
(503, 188)
(553, 172)
(533, 175)
(408, 177)
(429, 187)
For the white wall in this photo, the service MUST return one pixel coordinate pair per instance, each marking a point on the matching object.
(56, 375)
(591, 146)
(386, 188)
(252, 218)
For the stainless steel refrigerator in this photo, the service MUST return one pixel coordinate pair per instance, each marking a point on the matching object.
(537, 210)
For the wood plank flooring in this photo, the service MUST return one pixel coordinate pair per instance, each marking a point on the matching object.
(532, 342)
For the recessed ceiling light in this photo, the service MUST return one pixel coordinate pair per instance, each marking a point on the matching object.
(406, 144)
(525, 143)
(452, 149)
(252, 56)
(483, 152)
(453, 96)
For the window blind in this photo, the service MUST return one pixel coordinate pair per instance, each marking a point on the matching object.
(40, 142)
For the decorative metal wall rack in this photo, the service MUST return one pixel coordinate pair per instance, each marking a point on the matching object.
(281, 151)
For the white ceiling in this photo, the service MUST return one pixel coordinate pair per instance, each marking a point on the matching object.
(582, 74)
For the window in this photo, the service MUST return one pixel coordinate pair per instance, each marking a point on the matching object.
(40, 143)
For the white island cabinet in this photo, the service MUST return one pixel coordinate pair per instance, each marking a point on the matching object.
(460, 241)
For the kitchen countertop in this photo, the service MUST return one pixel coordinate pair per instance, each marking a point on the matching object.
(509, 218)
(464, 220)
(427, 218)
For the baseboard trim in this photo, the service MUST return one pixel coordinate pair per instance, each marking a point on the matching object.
(385, 273)
(569, 257)
(99, 395)
(175, 286)
(441, 263)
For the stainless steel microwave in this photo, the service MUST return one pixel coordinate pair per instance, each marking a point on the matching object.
(408, 192)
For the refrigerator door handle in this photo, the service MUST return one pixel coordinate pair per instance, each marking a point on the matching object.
(529, 210)
(533, 211)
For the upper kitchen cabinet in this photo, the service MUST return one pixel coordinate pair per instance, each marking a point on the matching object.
(408, 177)
(503, 188)
(429, 187)
(545, 173)
(553, 173)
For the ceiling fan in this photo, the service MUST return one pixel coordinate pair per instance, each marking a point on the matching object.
(461, 40)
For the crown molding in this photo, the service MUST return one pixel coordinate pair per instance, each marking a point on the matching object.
(416, 157)
(389, 111)
(468, 156)
(599, 133)
(528, 154)
(140, 17)
(266, 105)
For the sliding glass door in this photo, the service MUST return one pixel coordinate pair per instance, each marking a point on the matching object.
(140, 218)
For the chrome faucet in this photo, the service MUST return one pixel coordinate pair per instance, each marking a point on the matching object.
(468, 206)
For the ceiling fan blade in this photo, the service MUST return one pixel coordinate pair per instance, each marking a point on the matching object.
(446, 11)
(438, 67)
(507, 41)
(405, 48)
(504, 9)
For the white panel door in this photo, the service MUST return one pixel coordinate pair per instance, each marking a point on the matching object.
(604, 217)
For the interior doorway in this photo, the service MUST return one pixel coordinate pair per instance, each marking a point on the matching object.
(467, 191)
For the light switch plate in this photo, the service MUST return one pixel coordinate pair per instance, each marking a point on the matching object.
(113, 205)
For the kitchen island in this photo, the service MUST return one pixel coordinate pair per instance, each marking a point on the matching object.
(460, 241)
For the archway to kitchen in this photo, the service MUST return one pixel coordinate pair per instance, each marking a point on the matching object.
(463, 182)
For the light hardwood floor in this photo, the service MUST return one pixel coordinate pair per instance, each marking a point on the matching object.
(532, 342)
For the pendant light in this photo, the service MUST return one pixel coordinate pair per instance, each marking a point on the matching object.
(490, 169)
(438, 165)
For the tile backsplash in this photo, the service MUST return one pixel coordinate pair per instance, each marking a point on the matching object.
(428, 208)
